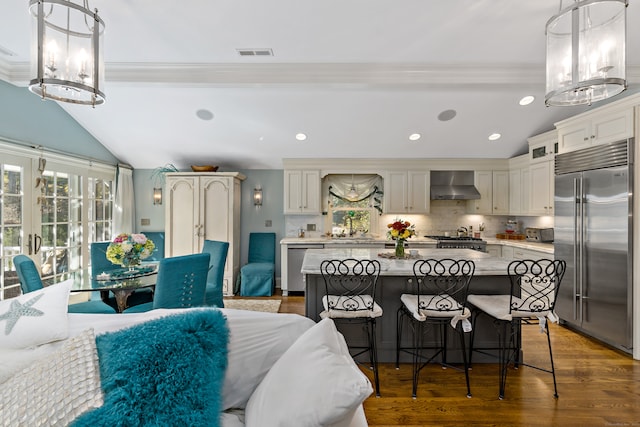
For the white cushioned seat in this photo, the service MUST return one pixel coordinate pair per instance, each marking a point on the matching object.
(358, 306)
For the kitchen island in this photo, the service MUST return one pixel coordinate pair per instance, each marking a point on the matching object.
(396, 278)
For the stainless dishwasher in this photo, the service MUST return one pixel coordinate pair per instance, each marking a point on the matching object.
(295, 256)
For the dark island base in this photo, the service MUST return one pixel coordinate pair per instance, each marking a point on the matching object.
(388, 296)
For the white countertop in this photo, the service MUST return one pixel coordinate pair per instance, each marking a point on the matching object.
(523, 244)
(486, 265)
(346, 240)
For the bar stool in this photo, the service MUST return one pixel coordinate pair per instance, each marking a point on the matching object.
(439, 302)
(350, 287)
(534, 289)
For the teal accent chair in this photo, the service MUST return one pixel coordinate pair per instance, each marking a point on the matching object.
(157, 237)
(181, 283)
(257, 277)
(218, 252)
(100, 264)
(30, 281)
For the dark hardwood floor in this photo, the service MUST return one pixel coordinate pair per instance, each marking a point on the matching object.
(598, 386)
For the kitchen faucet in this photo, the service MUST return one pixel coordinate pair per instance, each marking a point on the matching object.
(351, 231)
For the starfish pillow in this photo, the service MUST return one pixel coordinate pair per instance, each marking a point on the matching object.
(35, 318)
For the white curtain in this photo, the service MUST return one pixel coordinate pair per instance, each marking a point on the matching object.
(124, 207)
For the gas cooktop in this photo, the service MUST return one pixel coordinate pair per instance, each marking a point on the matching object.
(453, 238)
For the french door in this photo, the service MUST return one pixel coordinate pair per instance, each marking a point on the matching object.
(15, 218)
(51, 210)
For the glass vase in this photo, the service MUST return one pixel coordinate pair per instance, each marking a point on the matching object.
(131, 263)
(399, 248)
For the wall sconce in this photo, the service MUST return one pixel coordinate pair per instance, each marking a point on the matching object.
(257, 196)
(157, 196)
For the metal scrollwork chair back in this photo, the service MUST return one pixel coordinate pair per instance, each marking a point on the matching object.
(350, 289)
(438, 304)
(531, 301)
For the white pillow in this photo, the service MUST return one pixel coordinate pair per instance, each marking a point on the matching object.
(35, 318)
(314, 383)
(55, 390)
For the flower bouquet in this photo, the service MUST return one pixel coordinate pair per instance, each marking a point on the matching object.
(400, 231)
(128, 250)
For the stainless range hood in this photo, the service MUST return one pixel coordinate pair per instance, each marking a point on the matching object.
(453, 185)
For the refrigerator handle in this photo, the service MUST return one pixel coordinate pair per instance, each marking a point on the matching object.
(580, 267)
(577, 249)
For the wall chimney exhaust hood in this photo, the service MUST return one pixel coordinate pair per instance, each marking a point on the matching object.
(453, 185)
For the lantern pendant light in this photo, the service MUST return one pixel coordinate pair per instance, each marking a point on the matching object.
(67, 59)
(586, 52)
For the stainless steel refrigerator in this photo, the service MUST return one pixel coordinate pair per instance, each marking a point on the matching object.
(593, 234)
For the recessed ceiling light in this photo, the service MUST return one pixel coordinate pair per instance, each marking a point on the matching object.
(414, 137)
(527, 100)
(494, 136)
(204, 114)
(301, 136)
(447, 115)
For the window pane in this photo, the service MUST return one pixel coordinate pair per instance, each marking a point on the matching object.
(12, 210)
(99, 190)
(108, 209)
(75, 261)
(99, 232)
(76, 210)
(11, 240)
(351, 221)
(47, 236)
(75, 186)
(49, 184)
(62, 210)
(62, 235)
(47, 209)
(12, 179)
(98, 210)
(62, 185)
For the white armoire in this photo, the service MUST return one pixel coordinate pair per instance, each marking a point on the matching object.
(204, 206)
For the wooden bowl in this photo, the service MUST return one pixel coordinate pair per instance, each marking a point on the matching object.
(205, 168)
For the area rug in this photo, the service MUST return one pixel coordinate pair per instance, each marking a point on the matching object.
(266, 305)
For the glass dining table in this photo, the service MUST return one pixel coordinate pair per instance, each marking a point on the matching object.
(120, 282)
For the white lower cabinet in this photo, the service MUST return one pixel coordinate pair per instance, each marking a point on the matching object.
(203, 207)
(495, 250)
(519, 253)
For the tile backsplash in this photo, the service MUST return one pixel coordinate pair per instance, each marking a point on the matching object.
(445, 216)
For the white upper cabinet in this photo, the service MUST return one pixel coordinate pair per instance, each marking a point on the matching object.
(542, 188)
(543, 147)
(600, 127)
(407, 192)
(500, 187)
(484, 184)
(493, 187)
(542, 151)
(302, 192)
(519, 183)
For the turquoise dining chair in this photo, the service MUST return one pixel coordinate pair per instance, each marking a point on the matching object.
(181, 283)
(218, 252)
(157, 237)
(30, 281)
(257, 277)
(100, 264)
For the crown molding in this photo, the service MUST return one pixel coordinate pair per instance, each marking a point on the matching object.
(445, 76)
